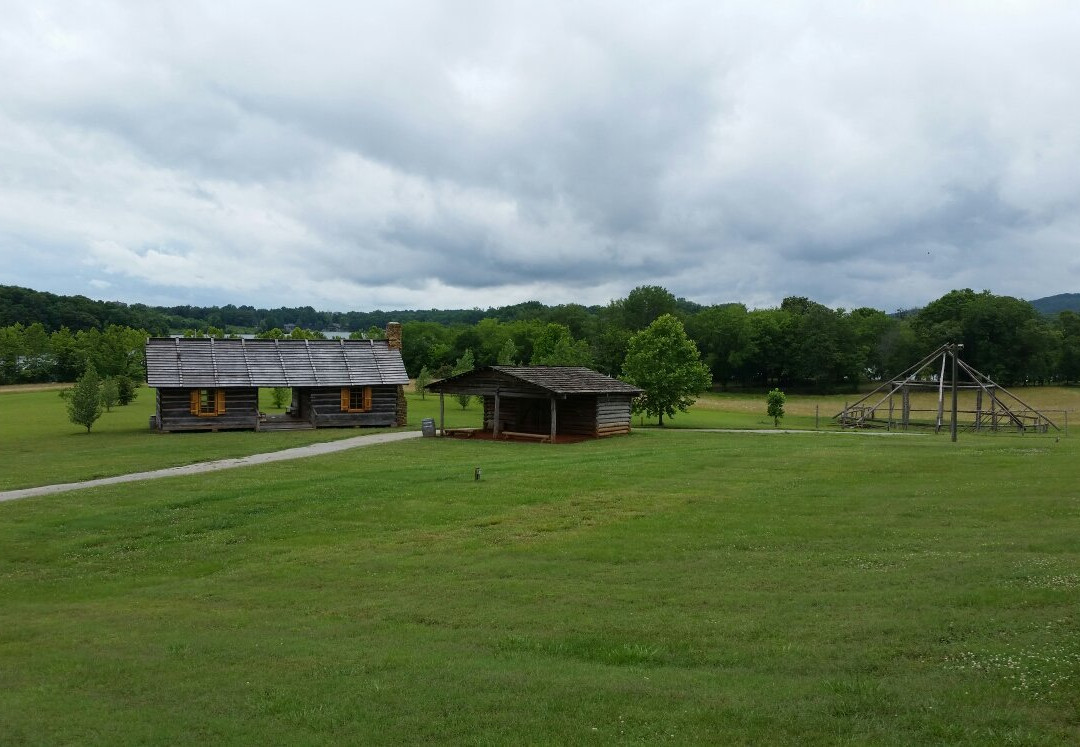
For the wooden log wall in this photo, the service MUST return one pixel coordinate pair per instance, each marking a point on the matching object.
(613, 415)
(607, 415)
(174, 411)
(509, 413)
(484, 383)
(577, 416)
(521, 414)
(325, 403)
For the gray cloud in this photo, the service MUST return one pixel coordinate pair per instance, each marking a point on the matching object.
(468, 154)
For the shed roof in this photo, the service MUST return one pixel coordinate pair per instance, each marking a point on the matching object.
(208, 362)
(557, 380)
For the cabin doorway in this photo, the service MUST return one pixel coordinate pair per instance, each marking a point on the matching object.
(284, 408)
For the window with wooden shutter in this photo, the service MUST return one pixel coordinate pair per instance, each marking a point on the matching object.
(207, 403)
(356, 399)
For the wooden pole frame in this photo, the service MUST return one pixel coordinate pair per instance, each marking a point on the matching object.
(952, 427)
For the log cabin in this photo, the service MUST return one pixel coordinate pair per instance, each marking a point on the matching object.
(543, 402)
(213, 384)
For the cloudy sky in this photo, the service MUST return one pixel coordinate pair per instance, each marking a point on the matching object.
(361, 155)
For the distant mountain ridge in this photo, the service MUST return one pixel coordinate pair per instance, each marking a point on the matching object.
(1054, 304)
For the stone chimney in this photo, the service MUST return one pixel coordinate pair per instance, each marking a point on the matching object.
(393, 335)
(393, 342)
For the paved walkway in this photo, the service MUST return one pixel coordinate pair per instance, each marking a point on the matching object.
(193, 469)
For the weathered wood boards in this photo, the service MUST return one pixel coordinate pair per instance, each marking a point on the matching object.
(550, 401)
(335, 383)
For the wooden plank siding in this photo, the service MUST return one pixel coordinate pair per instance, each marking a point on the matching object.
(324, 408)
(317, 371)
(241, 411)
(577, 416)
(581, 401)
(613, 414)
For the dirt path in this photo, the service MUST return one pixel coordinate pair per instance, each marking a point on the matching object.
(193, 469)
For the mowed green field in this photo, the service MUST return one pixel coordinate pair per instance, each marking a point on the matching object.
(39, 446)
(666, 587)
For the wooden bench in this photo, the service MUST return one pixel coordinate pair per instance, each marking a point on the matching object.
(541, 437)
(460, 432)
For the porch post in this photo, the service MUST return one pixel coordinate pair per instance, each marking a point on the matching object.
(554, 408)
(495, 427)
(442, 414)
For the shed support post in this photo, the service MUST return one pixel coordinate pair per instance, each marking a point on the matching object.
(954, 426)
(495, 427)
(442, 414)
(978, 409)
(554, 409)
(941, 396)
(905, 402)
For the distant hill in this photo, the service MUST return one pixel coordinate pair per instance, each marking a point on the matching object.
(1054, 304)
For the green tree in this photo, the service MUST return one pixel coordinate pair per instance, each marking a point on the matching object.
(84, 400)
(465, 363)
(128, 390)
(821, 344)
(769, 341)
(38, 363)
(11, 352)
(556, 347)
(665, 363)
(645, 304)
(610, 339)
(722, 334)
(422, 380)
(69, 357)
(507, 353)
(118, 351)
(1068, 324)
(425, 344)
(1004, 337)
(110, 393)
(870, 327)
(299, 333)
(774, 406)
(279, 395)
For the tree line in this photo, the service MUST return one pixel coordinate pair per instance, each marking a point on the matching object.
(799, 345)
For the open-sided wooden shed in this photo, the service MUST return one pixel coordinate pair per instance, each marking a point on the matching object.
(543, 402)
(209, 384)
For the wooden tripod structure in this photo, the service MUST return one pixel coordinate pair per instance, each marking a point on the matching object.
(995, 408)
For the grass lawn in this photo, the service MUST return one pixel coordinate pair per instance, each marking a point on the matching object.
(43, 447)
(666, 587)
(739, 410)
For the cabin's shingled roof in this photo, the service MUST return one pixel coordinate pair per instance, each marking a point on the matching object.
(558, 380)
(207, 362)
